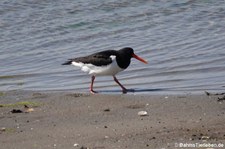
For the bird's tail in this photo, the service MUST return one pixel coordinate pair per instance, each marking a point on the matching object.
(69, 62)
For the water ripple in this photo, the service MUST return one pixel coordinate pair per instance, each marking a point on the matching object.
(183, 41)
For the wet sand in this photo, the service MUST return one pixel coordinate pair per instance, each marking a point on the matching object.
(74, 120)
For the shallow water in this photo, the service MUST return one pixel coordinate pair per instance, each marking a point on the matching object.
(184, 42)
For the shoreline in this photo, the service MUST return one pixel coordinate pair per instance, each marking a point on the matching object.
(78, 120)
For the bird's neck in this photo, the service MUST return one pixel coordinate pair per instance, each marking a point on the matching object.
(123, 61)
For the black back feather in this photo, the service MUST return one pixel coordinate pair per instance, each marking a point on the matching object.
(97, 59)
(123, 57)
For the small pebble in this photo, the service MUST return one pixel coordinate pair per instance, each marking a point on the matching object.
(16, 111)
(28, 110)
(142, 113)
(106, 110)
(205, 138)
(3, 129)
(75, 145)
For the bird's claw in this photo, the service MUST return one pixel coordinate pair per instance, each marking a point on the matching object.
(93, 92)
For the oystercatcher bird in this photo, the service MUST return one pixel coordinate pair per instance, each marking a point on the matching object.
(104, 63)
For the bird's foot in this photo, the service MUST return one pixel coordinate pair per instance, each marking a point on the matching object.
(93, 92)
(127, 90)
(124, 90)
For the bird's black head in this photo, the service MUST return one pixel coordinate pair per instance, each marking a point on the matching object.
(126, 52)
(124, 56)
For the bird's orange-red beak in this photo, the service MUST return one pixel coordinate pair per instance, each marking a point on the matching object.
(139, 58)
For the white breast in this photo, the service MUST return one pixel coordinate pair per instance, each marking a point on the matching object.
(110, 69)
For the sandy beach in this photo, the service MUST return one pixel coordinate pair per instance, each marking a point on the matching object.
(79, 121)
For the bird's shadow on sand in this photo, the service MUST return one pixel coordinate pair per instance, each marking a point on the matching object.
(137, 90)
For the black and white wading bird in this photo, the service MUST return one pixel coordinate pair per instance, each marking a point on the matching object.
(105, 63)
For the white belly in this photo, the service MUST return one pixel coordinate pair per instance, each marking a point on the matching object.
(111, 69)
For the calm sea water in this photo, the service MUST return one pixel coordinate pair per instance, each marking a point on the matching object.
(184, 42)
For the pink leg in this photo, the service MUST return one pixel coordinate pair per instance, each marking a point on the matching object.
(123, 88)
(92, 83)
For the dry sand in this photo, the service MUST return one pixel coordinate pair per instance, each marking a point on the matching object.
(66, 120)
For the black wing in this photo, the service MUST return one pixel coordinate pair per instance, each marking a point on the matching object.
(97, 59)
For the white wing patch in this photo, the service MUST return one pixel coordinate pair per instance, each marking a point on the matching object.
(110, 69)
